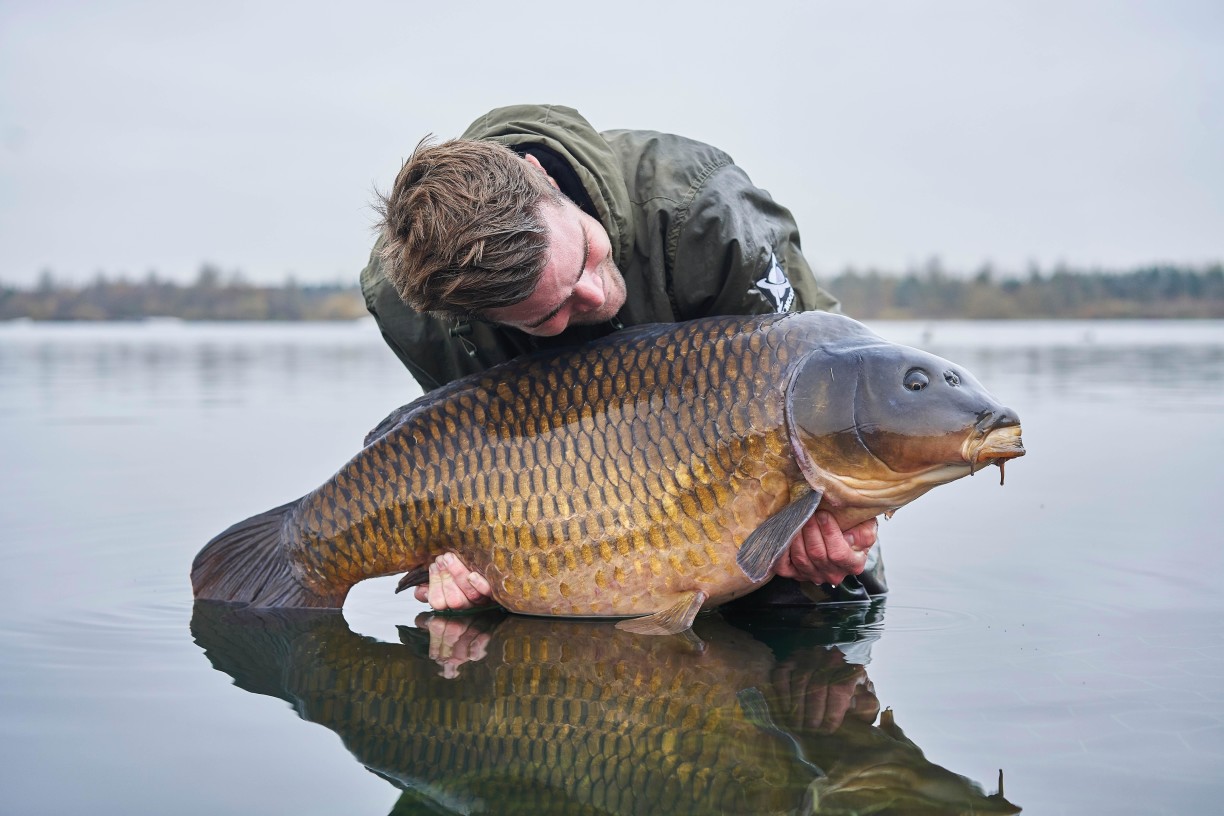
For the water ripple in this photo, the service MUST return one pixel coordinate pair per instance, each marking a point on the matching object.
(922, 619)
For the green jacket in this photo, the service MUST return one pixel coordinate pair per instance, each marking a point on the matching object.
(690, 233)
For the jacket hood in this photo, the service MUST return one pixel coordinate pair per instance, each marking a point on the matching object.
(565, 132)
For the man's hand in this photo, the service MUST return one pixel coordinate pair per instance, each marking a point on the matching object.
(821, 690)
(453, 642)
(823, 554)
(452, 586)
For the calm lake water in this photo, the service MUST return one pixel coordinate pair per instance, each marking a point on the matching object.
(1067, 628)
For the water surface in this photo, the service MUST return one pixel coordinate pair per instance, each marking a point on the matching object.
(1065, 628)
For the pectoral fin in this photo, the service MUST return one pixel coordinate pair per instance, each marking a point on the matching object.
(413, 578)
(670, 621)
(756, 711)
(760, 551)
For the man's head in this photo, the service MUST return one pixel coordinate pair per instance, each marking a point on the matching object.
(472, 229)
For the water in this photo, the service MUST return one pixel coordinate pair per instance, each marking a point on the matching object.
(1065, 628)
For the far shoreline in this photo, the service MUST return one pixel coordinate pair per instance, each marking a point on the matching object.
(1158, 292)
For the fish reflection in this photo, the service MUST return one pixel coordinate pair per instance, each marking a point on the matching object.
(508, 714)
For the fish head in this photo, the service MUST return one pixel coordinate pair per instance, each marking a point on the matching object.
(875, 424)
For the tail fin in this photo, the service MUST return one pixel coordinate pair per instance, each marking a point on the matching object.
(249, 563)
(259, 647)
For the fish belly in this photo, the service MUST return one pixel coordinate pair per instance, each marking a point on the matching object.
(668, 530)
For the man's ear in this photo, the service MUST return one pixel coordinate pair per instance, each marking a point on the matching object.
(534, 162)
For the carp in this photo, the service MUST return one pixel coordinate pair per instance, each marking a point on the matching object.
(659, 470)
(558, 717)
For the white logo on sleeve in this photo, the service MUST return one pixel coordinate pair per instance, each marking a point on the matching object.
(776, 287)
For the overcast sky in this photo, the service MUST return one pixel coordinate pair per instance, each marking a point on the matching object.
(139, 136)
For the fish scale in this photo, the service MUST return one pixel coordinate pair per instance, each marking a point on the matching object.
(558, 491)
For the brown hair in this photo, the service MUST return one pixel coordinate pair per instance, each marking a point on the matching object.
(461, 227)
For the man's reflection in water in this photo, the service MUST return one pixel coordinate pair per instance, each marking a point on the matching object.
(505, 714)
(821, 656)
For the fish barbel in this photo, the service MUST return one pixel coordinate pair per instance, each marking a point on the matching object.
(656, 471)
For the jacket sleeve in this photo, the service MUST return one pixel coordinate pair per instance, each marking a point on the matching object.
(735, 250)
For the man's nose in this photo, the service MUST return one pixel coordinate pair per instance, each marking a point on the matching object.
(589, 293)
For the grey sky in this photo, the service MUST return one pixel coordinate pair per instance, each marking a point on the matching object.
(155, 135)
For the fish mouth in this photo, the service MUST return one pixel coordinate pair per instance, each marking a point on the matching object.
(994, 447)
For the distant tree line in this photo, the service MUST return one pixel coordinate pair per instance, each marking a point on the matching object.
(212, 296)
(931, 292)
(1161, 291)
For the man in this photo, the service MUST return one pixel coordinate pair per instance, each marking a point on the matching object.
(533, 230)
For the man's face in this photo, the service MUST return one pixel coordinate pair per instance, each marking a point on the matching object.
(580, 284)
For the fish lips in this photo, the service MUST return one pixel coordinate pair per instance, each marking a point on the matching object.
(993, 442)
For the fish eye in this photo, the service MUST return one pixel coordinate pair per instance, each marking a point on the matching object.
(916, 379)
(951, 379)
